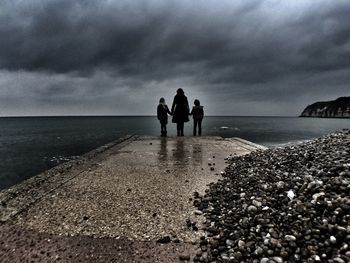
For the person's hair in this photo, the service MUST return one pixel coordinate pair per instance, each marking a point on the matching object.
(196, 102)
(180, 91)
(161, 100)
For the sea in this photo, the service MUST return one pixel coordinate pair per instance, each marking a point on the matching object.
(30, 145)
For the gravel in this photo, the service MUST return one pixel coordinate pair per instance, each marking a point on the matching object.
(287, 204)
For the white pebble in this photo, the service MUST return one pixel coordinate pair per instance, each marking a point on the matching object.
(290, 194)
(278, 259)
(241, 243)
(333, 239)
(290, 238)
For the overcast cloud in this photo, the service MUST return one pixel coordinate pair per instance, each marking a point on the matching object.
(248, 57)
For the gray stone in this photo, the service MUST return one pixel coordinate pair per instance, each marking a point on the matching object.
(252, 209)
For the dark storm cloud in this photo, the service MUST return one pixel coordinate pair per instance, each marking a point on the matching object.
(64, 36)
(140, 37)
(252, 49)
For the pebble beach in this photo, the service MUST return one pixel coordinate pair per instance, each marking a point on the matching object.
(288, 204)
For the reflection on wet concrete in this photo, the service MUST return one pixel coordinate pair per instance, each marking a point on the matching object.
(183, 153)
(180, 153)
(197, 154)
(163, 151)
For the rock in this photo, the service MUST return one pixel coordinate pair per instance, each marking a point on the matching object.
(333, 240)
(213, 243)
(338, 260)
(188, 223)
(184, 257)
(198, 212)
(338, 108)
(241, 243)
(316, 258)
(258, 251)
(277, 259)
(164, 240)
(204, 257)
(290, 194)
(284, 254)
(290, 238)
(274, 242)
(252, 209)
(256, 203)
(229, 242)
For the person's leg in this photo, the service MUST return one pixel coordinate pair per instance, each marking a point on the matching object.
(182, 129)
(178, 127)
(195, 127)
(200, 127)
(165, 131)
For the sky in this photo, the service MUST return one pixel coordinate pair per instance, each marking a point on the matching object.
(242, 57)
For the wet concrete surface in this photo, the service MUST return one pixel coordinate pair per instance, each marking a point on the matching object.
(129, 195)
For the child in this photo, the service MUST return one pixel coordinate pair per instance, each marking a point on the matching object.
(197, 113)
(162, 115)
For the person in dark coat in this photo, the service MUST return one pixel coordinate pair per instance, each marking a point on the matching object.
(162, 115)
(198, 114)
(180, 111)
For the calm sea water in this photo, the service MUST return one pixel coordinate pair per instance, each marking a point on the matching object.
(31, 145)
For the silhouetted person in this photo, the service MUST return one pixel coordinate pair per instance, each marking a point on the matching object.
(162, 115)
(198, 114)
(180, 111)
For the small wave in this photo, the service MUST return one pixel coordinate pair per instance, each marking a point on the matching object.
(286, 144)
(60, 159)
(228, 128)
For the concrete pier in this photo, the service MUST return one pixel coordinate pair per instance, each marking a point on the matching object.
(115, 202)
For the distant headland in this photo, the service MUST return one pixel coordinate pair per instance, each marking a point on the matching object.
(339, 108)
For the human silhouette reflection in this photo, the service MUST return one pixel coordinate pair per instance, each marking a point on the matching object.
(197, 154)
(163, 151)
(179, 153)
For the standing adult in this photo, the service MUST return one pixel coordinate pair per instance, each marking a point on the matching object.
(180, 111)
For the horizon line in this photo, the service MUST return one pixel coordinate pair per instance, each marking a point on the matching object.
(132, 115)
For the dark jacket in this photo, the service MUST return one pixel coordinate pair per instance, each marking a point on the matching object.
(180, 109)
(162, 113)
(197, 112)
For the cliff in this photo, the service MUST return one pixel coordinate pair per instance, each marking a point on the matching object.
(339, 108)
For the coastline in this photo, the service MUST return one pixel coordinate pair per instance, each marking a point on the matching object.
(134, 194)
(285, 204)
(18, 197)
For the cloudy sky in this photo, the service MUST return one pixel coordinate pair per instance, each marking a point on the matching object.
(241, 57)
